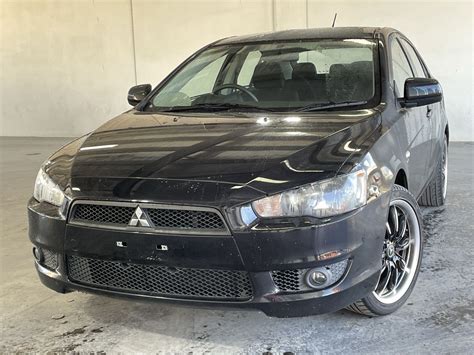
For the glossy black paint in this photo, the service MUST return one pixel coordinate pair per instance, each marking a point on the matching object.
(229, 150)
(137, 93)
(421, 92)
(223, 160)
(257, 252)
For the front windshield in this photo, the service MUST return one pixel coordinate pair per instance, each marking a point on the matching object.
(278, 76)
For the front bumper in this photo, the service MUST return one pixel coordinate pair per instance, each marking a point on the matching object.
(356, 237)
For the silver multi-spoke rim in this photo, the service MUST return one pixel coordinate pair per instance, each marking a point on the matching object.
(444, 175)
(401, 252)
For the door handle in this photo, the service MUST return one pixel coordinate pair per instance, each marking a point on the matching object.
(429, 111)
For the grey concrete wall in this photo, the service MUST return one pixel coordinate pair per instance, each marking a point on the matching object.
(66, 65)
(167, 32)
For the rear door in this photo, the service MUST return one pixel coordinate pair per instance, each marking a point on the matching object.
(416, 125)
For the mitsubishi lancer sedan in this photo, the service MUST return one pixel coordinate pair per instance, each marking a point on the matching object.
(281, 172)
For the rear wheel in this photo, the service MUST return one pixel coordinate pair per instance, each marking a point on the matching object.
(435, 193)
(401, 257)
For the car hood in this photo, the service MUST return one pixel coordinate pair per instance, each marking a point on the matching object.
(265, 153)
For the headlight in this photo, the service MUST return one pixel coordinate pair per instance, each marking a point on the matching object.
(322, 199)
(46, 190)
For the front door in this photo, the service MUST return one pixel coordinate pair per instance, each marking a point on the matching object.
(417, 125)
(432, 112)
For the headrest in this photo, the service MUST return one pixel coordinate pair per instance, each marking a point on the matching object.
(337, 70)
(362, 66)
(304, 71)
(268, 75)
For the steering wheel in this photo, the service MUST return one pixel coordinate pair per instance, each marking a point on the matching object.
(238, 87)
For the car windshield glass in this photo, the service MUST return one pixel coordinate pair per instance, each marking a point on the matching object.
(278, 76)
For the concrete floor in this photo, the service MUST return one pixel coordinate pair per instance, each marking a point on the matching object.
(438, 317)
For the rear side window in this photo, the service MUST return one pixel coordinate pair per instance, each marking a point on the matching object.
(400, 67)
(414, 59)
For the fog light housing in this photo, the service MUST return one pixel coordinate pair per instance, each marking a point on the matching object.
(324, 276)
(317, 278)
(38, 254)
(46, 258)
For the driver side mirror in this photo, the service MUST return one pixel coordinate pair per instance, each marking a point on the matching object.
(421, 92)
(137, 93)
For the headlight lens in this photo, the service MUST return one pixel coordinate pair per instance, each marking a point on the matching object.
(46, 190)
(322, 199)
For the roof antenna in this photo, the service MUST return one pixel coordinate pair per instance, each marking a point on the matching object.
(334, 21)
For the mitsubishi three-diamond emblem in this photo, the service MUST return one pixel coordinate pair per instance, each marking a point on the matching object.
(139, 219)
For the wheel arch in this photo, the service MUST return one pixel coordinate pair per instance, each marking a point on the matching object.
(401, 179)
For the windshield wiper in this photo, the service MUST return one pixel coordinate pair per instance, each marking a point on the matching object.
(324, 106)
(213, 106)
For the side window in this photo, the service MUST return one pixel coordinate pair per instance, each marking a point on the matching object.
(246, 72)
(400, 66)
(414, 60)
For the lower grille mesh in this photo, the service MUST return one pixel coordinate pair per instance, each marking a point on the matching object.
(50, 259)
(290, 280)
(161, 280)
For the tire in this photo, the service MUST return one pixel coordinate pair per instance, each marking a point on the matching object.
(383, 300)
(435, 193)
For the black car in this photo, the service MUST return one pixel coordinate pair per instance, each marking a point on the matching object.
(278, 171)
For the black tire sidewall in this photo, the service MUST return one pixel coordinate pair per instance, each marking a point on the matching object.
(440, 172)
(438, 184)
(433, 194)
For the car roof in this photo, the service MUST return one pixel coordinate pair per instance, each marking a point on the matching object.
(310, 33)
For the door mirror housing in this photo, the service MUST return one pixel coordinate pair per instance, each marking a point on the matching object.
(421, 92)
(137, 93)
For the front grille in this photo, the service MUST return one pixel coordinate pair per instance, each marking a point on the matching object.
(161, 280)
(162, 219)
(103, 214)
(182, 219)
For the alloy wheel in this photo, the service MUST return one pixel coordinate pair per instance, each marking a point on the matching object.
(401, 252)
